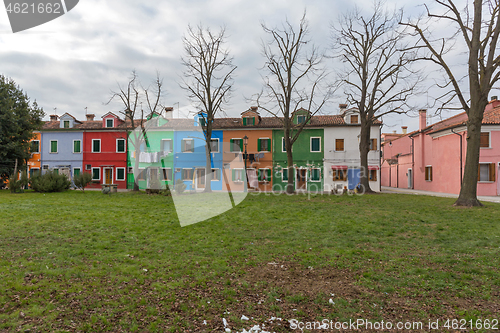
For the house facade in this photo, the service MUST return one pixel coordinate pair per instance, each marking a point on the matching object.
(433, 158)
(35, 162)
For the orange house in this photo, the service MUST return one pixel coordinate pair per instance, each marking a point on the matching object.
(34, 163)
(259, 161)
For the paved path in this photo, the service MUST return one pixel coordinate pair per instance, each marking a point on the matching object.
(434, 194)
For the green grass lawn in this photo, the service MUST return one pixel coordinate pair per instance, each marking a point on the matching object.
(73, 262)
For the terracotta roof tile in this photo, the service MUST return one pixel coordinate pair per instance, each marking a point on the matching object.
(490, 117)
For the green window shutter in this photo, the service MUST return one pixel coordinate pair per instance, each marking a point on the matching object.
(268, 172)
(258, 145)
(121, 145)
(76, 172)
(120, 173)
(253, 121)
(233, 175)
(76, 146)
(285, 174)
(268, 145)
(231, 142)
(97, 146)
(244, 121)
(315, 144)
(241, 145)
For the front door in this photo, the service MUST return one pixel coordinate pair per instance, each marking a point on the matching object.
(301, 179)
(200, 178)
(410, 176)
(108, 176)
(153, 180)
(65, 171)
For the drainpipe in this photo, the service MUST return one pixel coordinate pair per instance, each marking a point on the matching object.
(460, 154)
(412, 162)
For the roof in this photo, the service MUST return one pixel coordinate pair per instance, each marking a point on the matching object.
(88, 125)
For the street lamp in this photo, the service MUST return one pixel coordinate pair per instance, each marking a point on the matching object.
(245, 143)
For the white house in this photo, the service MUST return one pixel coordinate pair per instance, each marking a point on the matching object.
(342, 163)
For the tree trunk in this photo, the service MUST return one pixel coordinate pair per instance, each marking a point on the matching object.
(290, 186)
(364, 148)
(136, 171)
(208, 164)
(468, 191)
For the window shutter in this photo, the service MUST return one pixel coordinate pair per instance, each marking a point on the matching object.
(231, 143)
(258, 145)
(241, 145)
(233, 175)
(76, 172)
(268, 174)
(268, 145)
(253, 121)
(244, 121)
(485, 139)
(492, 172)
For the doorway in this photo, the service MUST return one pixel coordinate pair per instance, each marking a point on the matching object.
(410, 178)
(301, 179)
(200, 178)
(153, 180)
(108, 176)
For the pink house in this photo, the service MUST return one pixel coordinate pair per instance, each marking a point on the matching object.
(433, 158)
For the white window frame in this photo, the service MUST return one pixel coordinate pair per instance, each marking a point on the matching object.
(88, 167)
(112, 122)
(124, 174)
(283, 148)
(282, 170)
(231, 144)
(45, 167)
(37, 152)
(425, 173)
(183, 146)
(93, 173)
(162, 174)
(311, 142)
(171, 145)
(124, 145)
(265, 181)
(218, 141)
(310, 178)
(219, 173)
(301, 115)
(75, 152)
(80, 169)
(50, 147)
(265, 151)
(100, 148)
(64, 123)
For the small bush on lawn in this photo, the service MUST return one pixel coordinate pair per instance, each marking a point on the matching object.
(82, 180)
(50, 182)
(180, 186)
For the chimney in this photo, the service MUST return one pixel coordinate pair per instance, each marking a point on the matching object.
(53, 117)
(404, 129)
(90, 116)
(342, 108)
(254, 108)
(169, 112)
(394, 132)
(422, 119)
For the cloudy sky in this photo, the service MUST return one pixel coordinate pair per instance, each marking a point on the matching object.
(75, 61)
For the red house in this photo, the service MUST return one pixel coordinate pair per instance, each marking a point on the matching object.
(105, 150)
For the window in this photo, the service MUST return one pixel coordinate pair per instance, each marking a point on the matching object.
(66, 124)
(237, 175)
(339, 144)
(53, 146)
(315, 145)
(45, 167)
(187, 174)
(214, 145)
(96, 174)
(340, 174)
(166, 145)
(485, 140)
(373, 144)
(264, 175)
(486, 172)
(88, 166)
(248, 121)
(120, 145)
(96, 145)
(109, 122)
(187, 145)
(263, 144)
(202, 121)
(372, 175)
(166, 174)
(283, 150)
(120, 174)
(315, 174)
(142, 174)
(284, 174)
(354, 119)
(77, 146)
(130, 170)
(35, 146)
(76, 172)
(236, 145)
(301, 119)
(428, 173)
(56, 171)
(215, 174)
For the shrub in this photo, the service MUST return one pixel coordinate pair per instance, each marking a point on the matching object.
(82, 180)
(180, 186)
(50, 182)
(15, 185)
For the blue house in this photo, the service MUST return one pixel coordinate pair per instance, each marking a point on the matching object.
(62, 145)
(190, 154)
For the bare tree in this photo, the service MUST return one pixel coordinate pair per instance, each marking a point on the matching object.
(132, 96)
(377, 75)
(479, 26)
(208, 79)
(293, 79)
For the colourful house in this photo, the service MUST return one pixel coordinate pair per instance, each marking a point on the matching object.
(35, 162)
(105, 150)
(433, 158)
